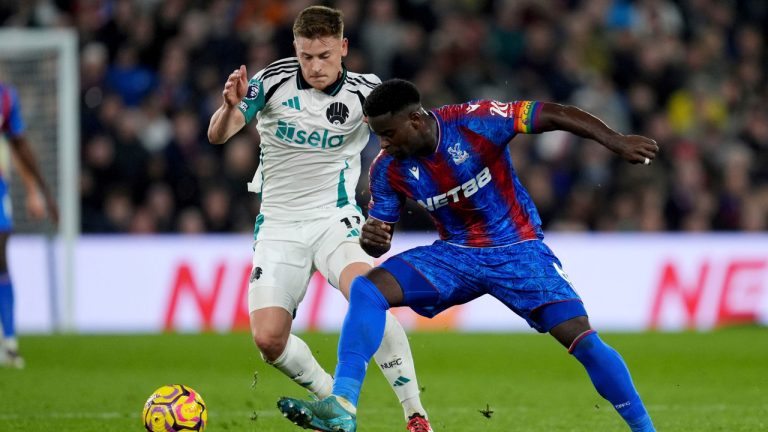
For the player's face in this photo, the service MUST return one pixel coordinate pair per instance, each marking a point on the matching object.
(320, 59)
(399, 134)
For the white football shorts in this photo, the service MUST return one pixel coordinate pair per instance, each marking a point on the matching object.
(286, 254)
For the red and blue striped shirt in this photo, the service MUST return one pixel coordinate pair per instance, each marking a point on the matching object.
(468, 186)
(11, 123)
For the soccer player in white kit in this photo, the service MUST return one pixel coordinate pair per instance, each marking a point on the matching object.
(310, 120)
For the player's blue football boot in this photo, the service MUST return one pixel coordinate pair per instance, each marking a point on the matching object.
(324, 415)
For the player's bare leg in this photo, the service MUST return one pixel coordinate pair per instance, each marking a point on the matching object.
(606, 369)
(394, 358)
(271, 331)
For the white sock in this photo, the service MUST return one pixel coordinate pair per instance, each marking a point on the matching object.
(396, 362)
(11, 344)
(298, 363)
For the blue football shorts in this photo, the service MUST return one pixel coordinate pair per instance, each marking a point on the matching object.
(527, 277)
(5, 207)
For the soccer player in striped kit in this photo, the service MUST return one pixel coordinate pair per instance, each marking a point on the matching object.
(38, 200)
(310, 121)
(455, 162)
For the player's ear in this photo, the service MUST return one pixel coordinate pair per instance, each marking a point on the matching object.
(419, 116)
(414, 118)
(344, 47)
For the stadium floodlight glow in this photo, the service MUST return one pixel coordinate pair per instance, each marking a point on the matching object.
(43, 65)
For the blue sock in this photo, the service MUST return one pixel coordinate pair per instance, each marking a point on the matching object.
(6, 305)
(611, 378)
(361, 336)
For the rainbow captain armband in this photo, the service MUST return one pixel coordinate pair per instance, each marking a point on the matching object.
(253, 101)
(526, 116)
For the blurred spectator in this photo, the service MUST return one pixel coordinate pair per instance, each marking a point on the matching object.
(381, 35)
(689, 73)
(143, 222)
(131, 80)
(190, 221)
(216, 209)
(156, 130)
(161, 206)
(119, 209)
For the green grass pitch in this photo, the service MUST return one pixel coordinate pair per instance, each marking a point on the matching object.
(715, 381)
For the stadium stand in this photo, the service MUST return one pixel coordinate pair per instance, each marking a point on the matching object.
(688, 73)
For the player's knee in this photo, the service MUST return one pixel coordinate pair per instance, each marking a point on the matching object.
(387, 285)
(567, 332)
(271, 346)
(363, 289)
(348, 275)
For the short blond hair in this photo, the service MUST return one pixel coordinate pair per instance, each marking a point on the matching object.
(319, 21)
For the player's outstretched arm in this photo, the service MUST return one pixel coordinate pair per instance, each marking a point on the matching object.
(227, 120)
(633, 148)
(376, 238)
(33, 181)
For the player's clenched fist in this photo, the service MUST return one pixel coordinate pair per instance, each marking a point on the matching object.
(634, 148)
(376, 237)
(236, 86)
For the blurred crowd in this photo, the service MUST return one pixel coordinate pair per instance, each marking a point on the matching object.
(689, 73)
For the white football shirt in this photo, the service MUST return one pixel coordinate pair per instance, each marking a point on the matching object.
(310, 139)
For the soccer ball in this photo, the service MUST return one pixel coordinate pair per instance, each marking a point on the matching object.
(175, 407)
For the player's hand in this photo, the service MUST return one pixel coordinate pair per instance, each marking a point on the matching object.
(35, 205)
(235, 87)
(635, 149)
(38, 205)
(376, 233)
(376, 237)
